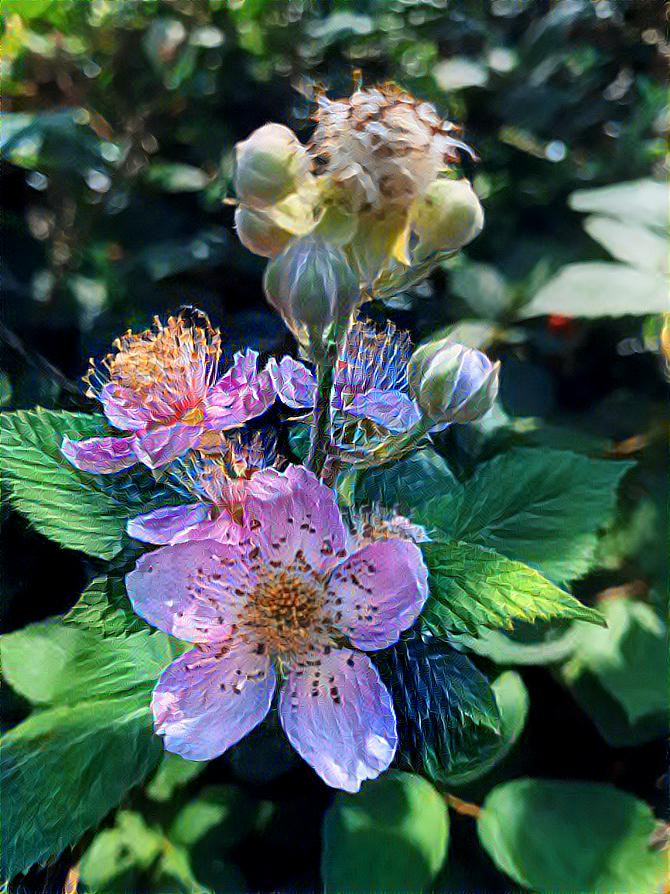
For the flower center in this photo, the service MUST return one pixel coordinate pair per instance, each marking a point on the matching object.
(285, 613)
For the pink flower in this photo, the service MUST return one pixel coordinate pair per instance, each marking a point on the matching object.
(221, 476)
(300, 601)
(162, 386)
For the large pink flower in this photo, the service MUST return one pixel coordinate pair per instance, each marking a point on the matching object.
(162, 385)
(301, 601)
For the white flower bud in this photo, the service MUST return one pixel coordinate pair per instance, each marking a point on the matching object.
(312, 286)
(270, 164)
(453, 383)
(446, 217)
(258, 233)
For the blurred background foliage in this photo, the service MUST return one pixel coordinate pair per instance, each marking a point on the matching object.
(120, 118)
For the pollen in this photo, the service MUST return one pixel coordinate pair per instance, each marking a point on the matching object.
(166, 370)
(285, 613)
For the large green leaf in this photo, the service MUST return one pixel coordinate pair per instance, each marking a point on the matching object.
(600, 289)
(391, 837)
(63, 769)
(77, 510)
(472, 587)
(486, 749)
(628, 661)
(50, 663)
(442, 702)
(66, 766)
(543, 507)
(571, 836)
(406, 483)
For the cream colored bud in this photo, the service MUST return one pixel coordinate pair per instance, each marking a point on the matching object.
(451, 382)
(447, 216)
(258, 233)
(269, 165)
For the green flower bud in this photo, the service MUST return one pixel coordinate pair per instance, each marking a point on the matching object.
(446, 217)
(453, 383)
(312, 286)
(270, 164)
(258, 233)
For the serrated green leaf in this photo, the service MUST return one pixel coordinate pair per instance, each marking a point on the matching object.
(104, 607)
(50, 663)
(485, 750)
(391, 837)
(473, 587)
(441, 701)
(543, 507)
(556, 837)
(65, 768)
(77, 510)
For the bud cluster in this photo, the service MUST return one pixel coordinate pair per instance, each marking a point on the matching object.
(375, 187)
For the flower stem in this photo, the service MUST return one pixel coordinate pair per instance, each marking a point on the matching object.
(319, 442)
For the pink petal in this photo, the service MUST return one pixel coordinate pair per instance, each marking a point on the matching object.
(101, 455)
(296, 513)
(210, 697)
(123, 408)
(165, 443)
(194, 590)
(382, 588)
(162, 525)
(241, 394)
(294, 382)
(341, 722)
(223, 529)
(393, 409)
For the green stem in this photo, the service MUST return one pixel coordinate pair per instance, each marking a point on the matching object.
(319, 441)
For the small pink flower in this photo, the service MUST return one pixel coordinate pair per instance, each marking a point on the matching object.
(299, 601)
(162, 385)
(221, 476)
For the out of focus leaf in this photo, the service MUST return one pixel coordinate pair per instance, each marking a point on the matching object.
(527, 644)
(472, 587)
(208, 248)
(628, 661)
(529, 505)
(643, 202)
(441, 700)
(173, 773)
(600, 289)
(571, 836)
(177, 177)
(631, 243)
(482, 286)
(485, 750)
(116, 855)
(460, 72)
(391, 837)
